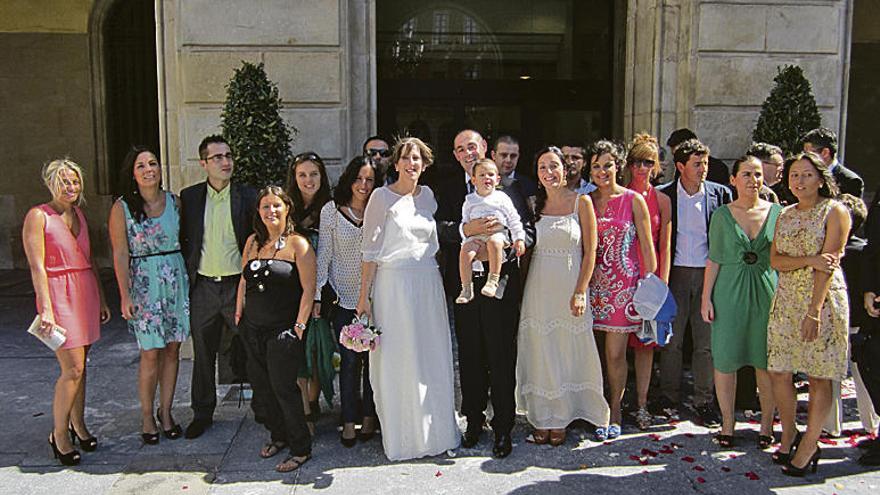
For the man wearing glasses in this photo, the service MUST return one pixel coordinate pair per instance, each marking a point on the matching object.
(216, 220)
(377, 148)
(575, 163)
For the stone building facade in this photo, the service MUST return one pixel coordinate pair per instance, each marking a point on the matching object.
(702, 64)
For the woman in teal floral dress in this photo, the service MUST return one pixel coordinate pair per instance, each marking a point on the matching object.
(153, 286)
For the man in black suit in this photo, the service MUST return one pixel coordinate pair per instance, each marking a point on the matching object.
(868, 353)
(506, 155)
(486, 327)
(216, 220)
(717, 169)
(693, 199)
(823, 142)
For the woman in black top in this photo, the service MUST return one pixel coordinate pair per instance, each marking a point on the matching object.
(273, 305)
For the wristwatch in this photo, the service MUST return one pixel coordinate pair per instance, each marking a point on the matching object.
(301, 326)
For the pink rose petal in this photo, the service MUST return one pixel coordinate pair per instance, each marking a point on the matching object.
(687, 458)
(699, 468)
(752, 476)
(700, 479)
(635, 458)
(649, 452)
(438, 474)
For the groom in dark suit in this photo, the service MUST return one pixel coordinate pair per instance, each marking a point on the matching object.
(693, 199)
(216, 220)
(486, 327)
(823, 142)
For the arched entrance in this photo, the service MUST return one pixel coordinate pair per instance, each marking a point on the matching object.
(123, 35)
(541, 70)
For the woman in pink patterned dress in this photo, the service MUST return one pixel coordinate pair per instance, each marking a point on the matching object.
(623, 219)
(642, 165)
(56, 242)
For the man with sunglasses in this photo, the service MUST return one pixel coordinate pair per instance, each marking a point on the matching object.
(215, 221)
(377, 148)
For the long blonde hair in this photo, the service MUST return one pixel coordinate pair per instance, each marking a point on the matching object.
(642, 147)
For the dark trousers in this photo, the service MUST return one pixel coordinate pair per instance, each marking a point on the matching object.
(273, 361)
(686, 285)
(212, 306)
(486, 332)
(355, 367)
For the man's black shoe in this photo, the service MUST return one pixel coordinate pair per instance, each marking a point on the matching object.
(471, 437)
(197, 427)
(707, 416)
(503, 445)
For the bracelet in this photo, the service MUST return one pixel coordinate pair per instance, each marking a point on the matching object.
(580, 297)
(301, 326)
(814, 318)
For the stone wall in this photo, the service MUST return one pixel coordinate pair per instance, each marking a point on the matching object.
(317, 52)
(714, 62)
(46, 91)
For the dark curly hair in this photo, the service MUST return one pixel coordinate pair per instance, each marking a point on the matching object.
(541, 194)
(342, 191)
(829, 189)
(130, 192)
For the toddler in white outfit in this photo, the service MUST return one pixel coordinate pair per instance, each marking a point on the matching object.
(484, 202)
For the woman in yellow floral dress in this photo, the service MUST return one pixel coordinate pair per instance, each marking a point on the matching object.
(808, 324)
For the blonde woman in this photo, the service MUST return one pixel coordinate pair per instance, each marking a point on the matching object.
(56, 243)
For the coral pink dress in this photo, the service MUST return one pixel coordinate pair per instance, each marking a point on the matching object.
(72, 284)
(617, 268)
(654, 213)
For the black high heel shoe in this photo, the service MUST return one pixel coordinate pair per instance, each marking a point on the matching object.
(782, 458)
(71, 458)
(151, 438)
(88, 444)
(812, 464)
(175, 432)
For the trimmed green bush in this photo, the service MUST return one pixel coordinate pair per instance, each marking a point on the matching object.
(789, 112)
(252, 123)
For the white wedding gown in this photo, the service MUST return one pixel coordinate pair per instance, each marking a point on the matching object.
(411, 368)
(558, 372)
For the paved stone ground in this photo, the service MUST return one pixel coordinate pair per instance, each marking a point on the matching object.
(677, 459)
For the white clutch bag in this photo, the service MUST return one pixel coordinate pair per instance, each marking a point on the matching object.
(54, 340)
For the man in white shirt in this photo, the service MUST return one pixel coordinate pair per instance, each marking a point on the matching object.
(693, 201)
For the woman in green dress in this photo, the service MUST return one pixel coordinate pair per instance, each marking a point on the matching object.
(738, 288)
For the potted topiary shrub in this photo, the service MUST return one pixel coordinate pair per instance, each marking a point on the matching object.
(252, 123)
(789, 112)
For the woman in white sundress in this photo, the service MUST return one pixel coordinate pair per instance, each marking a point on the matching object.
(558, 372)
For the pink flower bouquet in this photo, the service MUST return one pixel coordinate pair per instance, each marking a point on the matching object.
(359, 335)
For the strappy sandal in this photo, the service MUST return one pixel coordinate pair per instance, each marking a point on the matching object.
(540, 437)
(272, 449)
(292, 463)
(724, 441)
(765, 441)
(557, 437)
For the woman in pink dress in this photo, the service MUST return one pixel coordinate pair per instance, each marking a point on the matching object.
(642, 166)
(56, 242)
(623, 220)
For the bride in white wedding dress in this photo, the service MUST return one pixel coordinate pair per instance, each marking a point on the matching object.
(411, 368)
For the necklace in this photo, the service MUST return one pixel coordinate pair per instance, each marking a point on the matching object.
(257, 264)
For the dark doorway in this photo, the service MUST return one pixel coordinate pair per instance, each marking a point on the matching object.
(540, 70)
(130, 82)
(862, 127)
